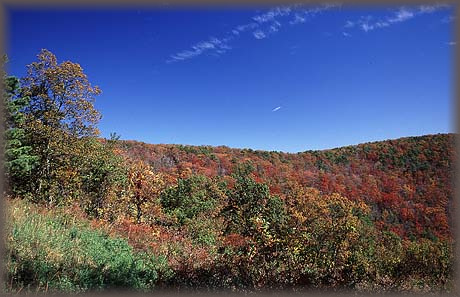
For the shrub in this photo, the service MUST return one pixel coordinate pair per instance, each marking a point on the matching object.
(191, 197)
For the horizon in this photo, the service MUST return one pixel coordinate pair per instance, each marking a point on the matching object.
(284, 152)
(268, 79)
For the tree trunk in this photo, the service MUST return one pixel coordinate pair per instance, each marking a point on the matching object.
(139, 212)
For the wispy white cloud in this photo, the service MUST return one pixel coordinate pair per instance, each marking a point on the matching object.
(276, 108)
(399, 16)
(298, 19)
(261, 27)
(273, 14)
(403, 14)
(349, 24)
(301, 16)
(431, 8)
(215, 44)
(264, 25)
(243, 28)
(259, 34)
(452, 43)
(275, 26)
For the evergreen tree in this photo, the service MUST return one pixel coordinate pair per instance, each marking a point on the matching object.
(19, 159)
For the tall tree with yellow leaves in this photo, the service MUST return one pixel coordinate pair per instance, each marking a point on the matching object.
(60, 113)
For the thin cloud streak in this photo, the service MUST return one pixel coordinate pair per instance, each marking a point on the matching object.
(218, 45)
(263, 26)
(266, 24)
(276, 109)
(259, 34)
(367, 23)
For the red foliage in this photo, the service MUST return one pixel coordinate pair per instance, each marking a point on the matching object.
(235, 240)
(407, 176)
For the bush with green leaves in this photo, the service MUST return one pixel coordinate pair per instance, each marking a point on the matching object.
(191, 197)
(250, 206)
(103, 176)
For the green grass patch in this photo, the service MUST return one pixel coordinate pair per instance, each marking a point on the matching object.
(55, 251)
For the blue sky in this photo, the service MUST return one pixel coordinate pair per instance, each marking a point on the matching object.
(289, 78)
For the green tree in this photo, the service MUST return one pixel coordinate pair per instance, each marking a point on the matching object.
(104, 179)
(19, 160)
(331, 243)
(259, 218)
(250, 203)
(191, 197)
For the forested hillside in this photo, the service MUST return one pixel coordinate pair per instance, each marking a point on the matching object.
(86, 213)
(406, 182)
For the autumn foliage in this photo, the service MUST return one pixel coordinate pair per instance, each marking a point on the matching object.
(371, 217)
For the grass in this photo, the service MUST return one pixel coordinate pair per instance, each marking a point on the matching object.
(58, 251)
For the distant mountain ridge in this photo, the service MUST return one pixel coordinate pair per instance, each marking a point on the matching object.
(407, 181)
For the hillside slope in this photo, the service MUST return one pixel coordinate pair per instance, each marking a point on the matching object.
(407, 182)
(374, 217)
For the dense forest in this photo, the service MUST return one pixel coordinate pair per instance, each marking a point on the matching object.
(87, 213)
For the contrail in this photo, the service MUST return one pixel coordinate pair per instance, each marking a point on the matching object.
(276, 109)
